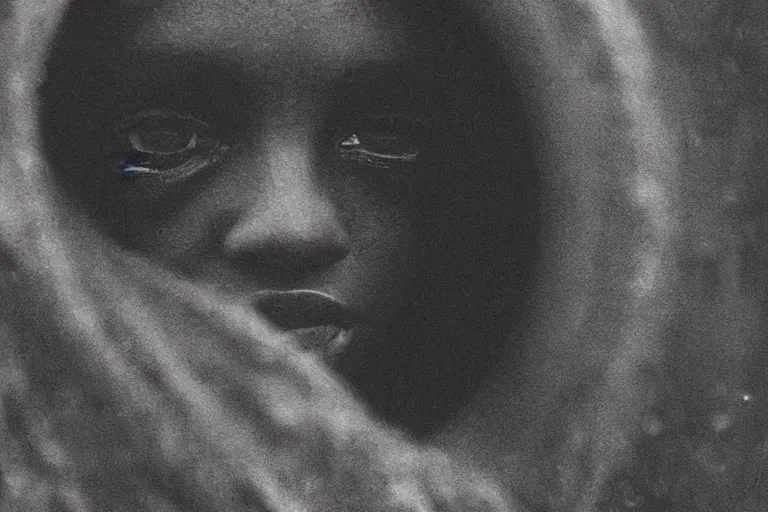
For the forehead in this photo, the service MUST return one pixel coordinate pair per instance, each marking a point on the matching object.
(307, 33)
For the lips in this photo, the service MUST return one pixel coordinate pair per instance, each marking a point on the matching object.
(320, 322)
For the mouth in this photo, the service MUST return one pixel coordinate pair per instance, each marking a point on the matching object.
(320, 322)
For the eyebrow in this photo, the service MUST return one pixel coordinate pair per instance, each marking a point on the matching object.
(399, 83)
(154, 75)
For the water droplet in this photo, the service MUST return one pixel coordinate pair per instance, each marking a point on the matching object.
(721, 389)
(652, 426)
(731, 197)
(721, 422)
(629, 497)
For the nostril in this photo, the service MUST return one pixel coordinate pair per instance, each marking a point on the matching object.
(324, 257)
(280, 257)
(292, 228)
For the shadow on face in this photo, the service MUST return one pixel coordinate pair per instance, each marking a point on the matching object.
(374, 154)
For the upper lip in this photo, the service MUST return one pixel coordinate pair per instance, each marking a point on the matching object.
(297, 309)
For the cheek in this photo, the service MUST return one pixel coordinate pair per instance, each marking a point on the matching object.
(382, 221)
(468, 245)
(187, 228)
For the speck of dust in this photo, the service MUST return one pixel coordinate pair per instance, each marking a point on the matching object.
(721, 422)
(652, 426)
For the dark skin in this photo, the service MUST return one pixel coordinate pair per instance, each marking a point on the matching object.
(355, 149)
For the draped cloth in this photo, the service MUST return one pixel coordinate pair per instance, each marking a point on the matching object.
(102, 408)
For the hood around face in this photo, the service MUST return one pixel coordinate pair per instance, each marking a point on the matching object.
(604, 282)
(645, 374)
(557, 419)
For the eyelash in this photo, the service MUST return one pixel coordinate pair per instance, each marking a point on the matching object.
(392, 142)
(388, 142)
(199, 152)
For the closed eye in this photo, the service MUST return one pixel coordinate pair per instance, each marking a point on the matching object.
(166, 145)
(386, 142)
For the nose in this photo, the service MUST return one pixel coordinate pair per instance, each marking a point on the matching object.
(290, 228)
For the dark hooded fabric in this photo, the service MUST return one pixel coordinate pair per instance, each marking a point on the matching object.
(102, 409)
(656, 405)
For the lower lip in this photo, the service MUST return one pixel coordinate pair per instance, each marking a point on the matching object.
(328, 340)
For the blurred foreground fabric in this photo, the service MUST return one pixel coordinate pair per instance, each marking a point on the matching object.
(642, 384)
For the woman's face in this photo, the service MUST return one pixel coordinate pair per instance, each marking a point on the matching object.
(267, 148)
